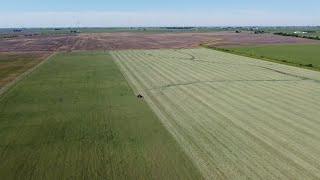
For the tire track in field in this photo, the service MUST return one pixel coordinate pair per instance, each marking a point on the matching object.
(225, 81)
(193, 70)
(216, 72)
(231, 68)
(159, 110)
(233, 120)
(179, 137)
(285, 73)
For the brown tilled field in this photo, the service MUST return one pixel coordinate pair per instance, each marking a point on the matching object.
(245, 38)
(134, 40)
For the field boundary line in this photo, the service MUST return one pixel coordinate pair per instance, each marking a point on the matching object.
(266, 59)
(125, 75)
(164, 118)
(7, 87)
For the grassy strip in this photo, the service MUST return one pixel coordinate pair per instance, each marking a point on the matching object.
(77, 118)
(269, 57)
(297, 35)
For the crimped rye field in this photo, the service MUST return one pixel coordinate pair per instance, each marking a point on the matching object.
(236, 117)
(75, 117)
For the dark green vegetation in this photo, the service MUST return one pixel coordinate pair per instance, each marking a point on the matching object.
(75, 117)
(307, 32)
(304, 55)
(310, 30)
(298, 35)
(13, 65)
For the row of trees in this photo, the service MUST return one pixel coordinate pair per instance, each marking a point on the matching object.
(179, 28)
(297, 35)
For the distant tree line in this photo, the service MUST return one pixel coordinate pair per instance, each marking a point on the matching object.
(10, 36)
(17, 30)
(297, 35)
(259, 32)
(179, 27)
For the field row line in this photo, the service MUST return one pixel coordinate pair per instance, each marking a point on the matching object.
(14, 82)
(225, 116)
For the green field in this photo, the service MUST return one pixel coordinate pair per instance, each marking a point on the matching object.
(236, 117)
(12, 65)
(304, 55)
(75, 117)
(204, 114)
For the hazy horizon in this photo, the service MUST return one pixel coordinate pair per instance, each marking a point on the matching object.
(142, 13)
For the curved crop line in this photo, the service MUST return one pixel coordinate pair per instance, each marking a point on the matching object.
(192, 57)
(223, 116)
(289, 74)
(221, 81)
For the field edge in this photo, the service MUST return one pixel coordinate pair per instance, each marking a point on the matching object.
(157, 110)
(11, 84)
(284, 62)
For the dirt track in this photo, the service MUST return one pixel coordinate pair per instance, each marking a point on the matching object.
(127, 40)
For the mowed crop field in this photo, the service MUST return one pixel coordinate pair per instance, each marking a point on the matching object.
(76, 117)
(236, 117)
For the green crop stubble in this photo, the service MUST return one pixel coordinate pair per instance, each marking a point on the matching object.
(75, 117)
(236, 117)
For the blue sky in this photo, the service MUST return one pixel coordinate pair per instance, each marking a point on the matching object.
(42, 13)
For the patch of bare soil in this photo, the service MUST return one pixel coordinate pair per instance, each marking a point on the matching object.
(138, 40)
(242, 39)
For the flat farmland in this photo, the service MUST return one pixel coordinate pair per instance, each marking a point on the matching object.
(236, 117)
(305, 55)
(75, 117)
(140, 40)
(12, 65)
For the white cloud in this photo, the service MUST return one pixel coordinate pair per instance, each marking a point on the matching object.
(131, 18)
